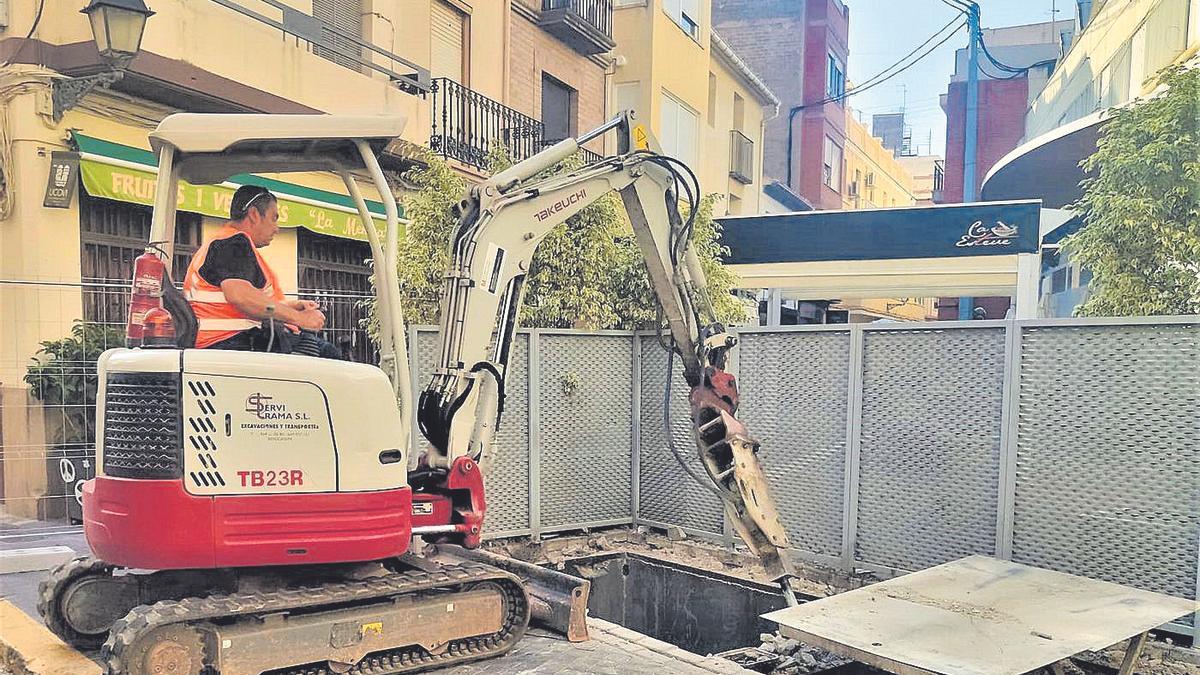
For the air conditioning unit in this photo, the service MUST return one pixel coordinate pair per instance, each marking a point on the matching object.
(870, 180)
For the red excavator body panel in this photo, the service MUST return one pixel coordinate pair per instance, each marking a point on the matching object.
(157, 524)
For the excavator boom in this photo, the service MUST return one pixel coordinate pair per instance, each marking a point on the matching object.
(502, 222)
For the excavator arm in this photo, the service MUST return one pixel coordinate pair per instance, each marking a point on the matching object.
(501, 223)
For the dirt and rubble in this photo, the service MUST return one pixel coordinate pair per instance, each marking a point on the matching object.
(674, 546)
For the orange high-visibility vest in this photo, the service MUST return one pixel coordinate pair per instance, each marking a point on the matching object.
(216, 318)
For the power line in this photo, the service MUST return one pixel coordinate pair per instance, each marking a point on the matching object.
(881, 78)
(1004, 66)
(878, 79)
(871, 80)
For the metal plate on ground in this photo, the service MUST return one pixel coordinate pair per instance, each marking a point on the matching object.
(977, 615)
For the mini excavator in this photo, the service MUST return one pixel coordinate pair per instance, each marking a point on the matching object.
(253, 512)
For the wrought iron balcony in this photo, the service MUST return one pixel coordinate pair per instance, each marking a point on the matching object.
(467, 125)
(585, 25)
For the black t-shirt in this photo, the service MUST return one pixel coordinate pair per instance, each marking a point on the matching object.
(232, 258)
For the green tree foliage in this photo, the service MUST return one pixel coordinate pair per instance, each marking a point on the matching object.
(1141, 204)
(587, 273)
(63, 377)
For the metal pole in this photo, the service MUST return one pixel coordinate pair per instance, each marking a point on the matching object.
(966, 304)
(972, 121)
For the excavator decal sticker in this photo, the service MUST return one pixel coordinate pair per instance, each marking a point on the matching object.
(560, 205)
(641, 140)
(494, 267)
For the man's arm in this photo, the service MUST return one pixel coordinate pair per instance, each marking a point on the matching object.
(253, 302)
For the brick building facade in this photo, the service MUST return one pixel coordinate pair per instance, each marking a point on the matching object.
(772, 36)
(546, 75)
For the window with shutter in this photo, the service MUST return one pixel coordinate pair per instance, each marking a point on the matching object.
(449, 30)
(679, 127)
(556, 110)
(341, 25)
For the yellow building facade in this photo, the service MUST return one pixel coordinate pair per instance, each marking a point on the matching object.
(704, 104)
(874, 177)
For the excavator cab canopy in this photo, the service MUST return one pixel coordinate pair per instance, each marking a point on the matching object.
(211, 148)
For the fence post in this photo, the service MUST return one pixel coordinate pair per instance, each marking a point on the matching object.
(853, 448)
(535, 435)
(635, 454)
(1009, 416)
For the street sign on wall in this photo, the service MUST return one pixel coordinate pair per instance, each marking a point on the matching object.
(64, 176)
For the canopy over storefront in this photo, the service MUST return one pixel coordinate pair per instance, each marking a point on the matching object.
(1046, 167)
(979, 249)
(124, 173)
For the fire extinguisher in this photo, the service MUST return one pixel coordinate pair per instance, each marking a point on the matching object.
(148, 274)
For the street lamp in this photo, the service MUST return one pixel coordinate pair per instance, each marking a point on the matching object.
(117, 27)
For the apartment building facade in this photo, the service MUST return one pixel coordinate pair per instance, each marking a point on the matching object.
(703, 102)
(805, 143)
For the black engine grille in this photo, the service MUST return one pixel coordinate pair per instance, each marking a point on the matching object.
(142, 434)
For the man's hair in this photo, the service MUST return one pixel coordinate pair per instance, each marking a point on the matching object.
(250, 197)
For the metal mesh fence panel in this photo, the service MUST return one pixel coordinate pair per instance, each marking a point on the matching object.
(666, 494)
(929, 453)
(586, 420)
(507, 484)
(1108, 454)
(794, 401)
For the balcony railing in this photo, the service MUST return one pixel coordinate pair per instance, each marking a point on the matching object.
(741, 157)
(467, 126)
(337, 45)
(585, 25)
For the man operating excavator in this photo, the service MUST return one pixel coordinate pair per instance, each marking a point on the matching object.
(238, 301)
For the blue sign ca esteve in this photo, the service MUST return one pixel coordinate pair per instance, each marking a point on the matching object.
(982, 228)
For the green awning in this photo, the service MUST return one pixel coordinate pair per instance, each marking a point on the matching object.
(124, 173)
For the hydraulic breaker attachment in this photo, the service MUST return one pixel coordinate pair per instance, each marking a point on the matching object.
(730, 457)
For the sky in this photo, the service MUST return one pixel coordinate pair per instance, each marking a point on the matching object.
(883, 31)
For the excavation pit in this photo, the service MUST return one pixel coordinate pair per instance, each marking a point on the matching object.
(699, 610)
